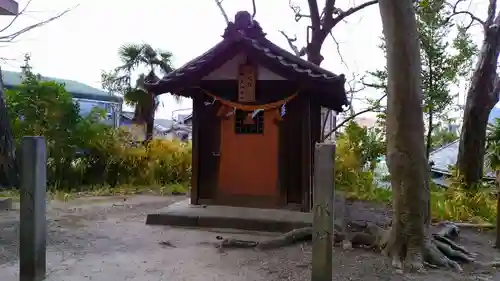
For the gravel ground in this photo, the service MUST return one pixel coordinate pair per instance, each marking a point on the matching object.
(106, 239)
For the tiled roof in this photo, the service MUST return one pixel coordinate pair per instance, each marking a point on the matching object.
(494, 114)
(444, 157)
(160, 124)
(78, 90)
(447, 155)
(247, 36)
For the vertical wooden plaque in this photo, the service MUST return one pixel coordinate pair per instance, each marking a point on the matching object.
(247, 79)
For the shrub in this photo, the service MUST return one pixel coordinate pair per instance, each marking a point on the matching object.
(355, 176)
(114, 159)
(84, 153)
(356, 155)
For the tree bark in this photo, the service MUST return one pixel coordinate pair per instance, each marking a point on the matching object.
(428, 139)
(405, 128)
(481, 98)
(8, 167)
(149, 130)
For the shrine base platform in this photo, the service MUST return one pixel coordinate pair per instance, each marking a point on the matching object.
(183, 214)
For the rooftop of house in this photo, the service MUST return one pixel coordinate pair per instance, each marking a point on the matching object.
(446, 156)
(160, 124)
(494, 114)
(9, 8)
(77, 89)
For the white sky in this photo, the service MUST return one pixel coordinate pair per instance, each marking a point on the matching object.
(85, 41)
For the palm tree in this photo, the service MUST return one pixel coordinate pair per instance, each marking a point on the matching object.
(136, 57)
(493, 159)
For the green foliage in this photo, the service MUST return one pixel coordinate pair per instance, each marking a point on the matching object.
(83, 151)
(493, 145)
(114, 159)
(356, 157)
(447, 52)
(38, 108)
(119, 81)
(365, 144)
(443, 62)
(458, 204)
(358, 182)
(442, 136)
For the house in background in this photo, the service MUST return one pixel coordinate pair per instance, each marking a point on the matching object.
(185, 119)
(330, 121)
(444, 157)
(86, 96)
(163, 128)
(9, 8)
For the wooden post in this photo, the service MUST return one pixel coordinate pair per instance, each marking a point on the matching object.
(33, 229)
(323, 197)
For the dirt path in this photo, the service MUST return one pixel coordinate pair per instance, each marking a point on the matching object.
(106, 239)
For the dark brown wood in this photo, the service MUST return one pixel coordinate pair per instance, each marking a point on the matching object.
(195, 152)
(292, 157)
(282, 169)
(266, 91)
(306, 155)
(208, 148)
(315, 137)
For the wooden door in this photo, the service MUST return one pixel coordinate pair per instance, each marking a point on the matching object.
(248, 168)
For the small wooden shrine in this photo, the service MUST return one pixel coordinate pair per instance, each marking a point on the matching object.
(256, 118)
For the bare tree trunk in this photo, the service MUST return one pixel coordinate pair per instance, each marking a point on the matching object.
(8, 167)
(405, 128)
(428, 139)
(149, 130)
(481, 97)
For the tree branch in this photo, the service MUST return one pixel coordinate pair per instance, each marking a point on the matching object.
(291, 42)
(492, 8)
(338, 49)
(254, 9)
(314, 11)
(329, 22)
(456, 12)
(16, 17)
(376, 106)
(328, 10)
(10, 37)
(222, 11)
(341, 15)
(297, 11)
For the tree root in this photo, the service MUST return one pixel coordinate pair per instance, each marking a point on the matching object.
(440, 250)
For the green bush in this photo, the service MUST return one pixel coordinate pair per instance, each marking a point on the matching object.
(116, 160)
(356, 156)
(455, 203)
(84, 153)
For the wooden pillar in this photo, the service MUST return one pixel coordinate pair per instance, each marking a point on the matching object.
(306, 151)
(33, 228)
(323, 217)
(195, 154)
